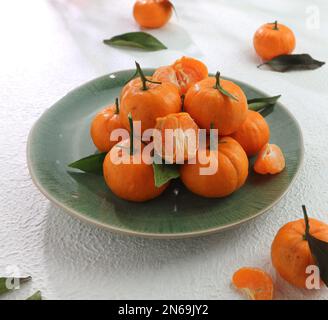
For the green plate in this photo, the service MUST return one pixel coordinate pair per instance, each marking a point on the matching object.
(61, 136)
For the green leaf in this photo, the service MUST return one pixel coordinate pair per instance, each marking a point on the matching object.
(261, 103)
(318, 248)
(140, 40)
(35, 296)
(94, 164)
(289, 62)
(3, 283)
(219, 87)
(319, 251)
(163, 173)
(90, 164)
(228, 94)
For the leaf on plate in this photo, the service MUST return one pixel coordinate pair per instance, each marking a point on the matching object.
(35, 296)
(163, 173)
(288, 62)
(7, 284)
(90, 164)
(257, 104)
(319, 250)
(140, 40)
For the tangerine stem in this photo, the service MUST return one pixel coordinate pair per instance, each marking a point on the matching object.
(220, 89)
(217, 84)
(275, 27)
(143, 78)
(307, 225)
(117, 110)
(131, 133)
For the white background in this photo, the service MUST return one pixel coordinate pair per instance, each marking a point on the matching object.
(49, 47)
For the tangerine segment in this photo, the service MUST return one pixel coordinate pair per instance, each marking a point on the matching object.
(178, 137)
(166, 74)
(270, 160)
(189, 71)
(254, 282)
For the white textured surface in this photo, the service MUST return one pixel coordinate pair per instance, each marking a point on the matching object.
(48, 48)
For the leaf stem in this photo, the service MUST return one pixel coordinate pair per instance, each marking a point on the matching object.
(25, 279)
(143, 78)
(307, 225)
(131, 134)
(117, 108)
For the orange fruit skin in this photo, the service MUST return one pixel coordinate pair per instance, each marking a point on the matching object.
(174, 121)
(188, 72)
(256, 283)
(103, 124)
(152, 13)
(291, 254)
(230, 176)
(253, 134)
(270, 43)
(270, 160)
(130, 181)
(207, 105)
(146, 106)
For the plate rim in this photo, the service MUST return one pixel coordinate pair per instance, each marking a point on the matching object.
(181, 235)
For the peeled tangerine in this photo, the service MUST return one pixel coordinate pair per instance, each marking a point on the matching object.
(183, 73)
(254, 282)
(270, 160)
(177, 137)
(229, 171)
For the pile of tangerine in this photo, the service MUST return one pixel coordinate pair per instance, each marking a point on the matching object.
(183, 96)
